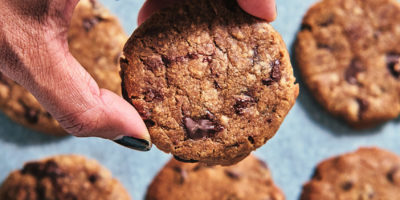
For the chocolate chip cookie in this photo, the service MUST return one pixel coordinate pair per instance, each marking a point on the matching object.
(63, 177)
(96, 40)
(349, 58)
(211, 82)
(249, 179)
(367, 174)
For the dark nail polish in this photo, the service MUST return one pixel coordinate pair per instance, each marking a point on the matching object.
(134, 143)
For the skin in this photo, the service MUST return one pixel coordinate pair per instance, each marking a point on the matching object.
(34, 52)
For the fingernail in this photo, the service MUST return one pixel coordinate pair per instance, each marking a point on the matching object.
(134, 143)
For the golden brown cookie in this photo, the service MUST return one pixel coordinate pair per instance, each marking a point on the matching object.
(249, 179)
(348, 55)
(96, 40)
(211, 82)
(66, 177)
(367, 174)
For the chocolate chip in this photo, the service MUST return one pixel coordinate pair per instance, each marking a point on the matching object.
(354, 68)
(201, 128)
(210, 116)
(182, 173)
(347, 186)
(192, 56)
(256, 57)
(154, 64)
(275, 75)
(185, 161)
(306, 27)
(207, 59)
(152, 94)
(216, 85)
(242, 103)
(31, 115)
(149, 123)
(362, 107)
(250, 139)
(232, 174)
(393, 64)
(93, 178)
(392, 174)
(89, 23)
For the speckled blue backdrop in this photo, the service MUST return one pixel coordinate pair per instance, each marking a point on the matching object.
(307, 136)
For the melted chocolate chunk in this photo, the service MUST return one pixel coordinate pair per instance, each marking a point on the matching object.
(250, 139)
(306, 27)
(242, 103)
(393, 64)
(347, 186)
(185, 161)
(49, 169)
(93, 178)
(275, 75)
(201, 128)
(362, 107)
(354, 68)
(232, 174)
(89, 23)
(152, 94)
(154, 64)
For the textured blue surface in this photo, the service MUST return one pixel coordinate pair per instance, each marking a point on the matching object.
(307, 136)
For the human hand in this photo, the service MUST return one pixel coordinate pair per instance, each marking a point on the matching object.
(264, 9)
(34, 52)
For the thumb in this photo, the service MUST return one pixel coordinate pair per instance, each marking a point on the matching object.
(73, 98)
(264, 9)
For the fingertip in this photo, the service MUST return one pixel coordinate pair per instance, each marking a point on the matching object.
(150, 7)
(125, 118)
(264, 9)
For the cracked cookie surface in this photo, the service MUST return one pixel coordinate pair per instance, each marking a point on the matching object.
(347, 53)
(211, 82)
(96, 40)
(65, 177)
(366, 174)
(249, 179)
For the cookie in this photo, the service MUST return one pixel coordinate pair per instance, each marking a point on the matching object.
(347, 56)
(367, 174)
(211, 82)
(249, 179)
(96, 40)
(63, 177)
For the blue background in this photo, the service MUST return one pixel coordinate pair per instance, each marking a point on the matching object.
(307, 136)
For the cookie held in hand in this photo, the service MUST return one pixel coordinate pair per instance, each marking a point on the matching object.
(211, 82)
